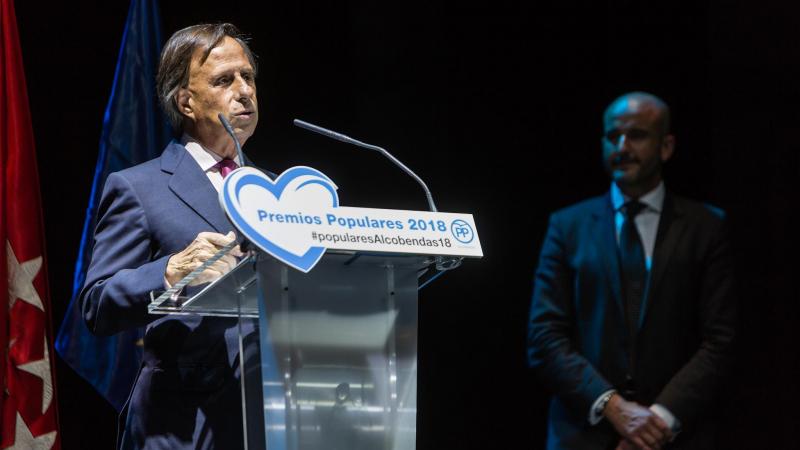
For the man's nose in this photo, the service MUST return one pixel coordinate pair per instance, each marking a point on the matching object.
(622, 143)
(244, 89)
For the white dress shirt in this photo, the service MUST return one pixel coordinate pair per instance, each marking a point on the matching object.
(646, 221)
(206, 159)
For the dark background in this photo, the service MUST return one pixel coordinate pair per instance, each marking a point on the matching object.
(498, 108)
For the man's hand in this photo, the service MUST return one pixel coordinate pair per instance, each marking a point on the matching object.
(204, 246)
(639, 427)
(625, 445)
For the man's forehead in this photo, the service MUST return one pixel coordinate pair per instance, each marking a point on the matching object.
(228, 50)
(632, 110)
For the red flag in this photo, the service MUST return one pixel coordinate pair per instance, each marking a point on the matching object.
(28, 402)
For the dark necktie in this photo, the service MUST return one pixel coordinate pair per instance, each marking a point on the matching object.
(226, 166)
(632, 262)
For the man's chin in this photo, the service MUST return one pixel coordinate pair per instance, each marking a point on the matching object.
(245, 129)
(243, 133)
(623, 178)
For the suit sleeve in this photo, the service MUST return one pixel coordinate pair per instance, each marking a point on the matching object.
(122, 271)
(551, 352)
(692, 390)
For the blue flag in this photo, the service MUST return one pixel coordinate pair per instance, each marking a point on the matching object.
(134, 130)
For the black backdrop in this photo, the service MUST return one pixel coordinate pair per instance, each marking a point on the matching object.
(498, 107)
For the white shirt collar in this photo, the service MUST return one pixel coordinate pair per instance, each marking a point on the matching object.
(204, 157)
(653, 199)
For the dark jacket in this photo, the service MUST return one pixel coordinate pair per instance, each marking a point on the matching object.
(578, 343)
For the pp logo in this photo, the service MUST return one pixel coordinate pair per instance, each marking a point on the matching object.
(462, 231)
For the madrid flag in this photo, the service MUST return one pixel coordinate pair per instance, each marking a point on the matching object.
(28, 402)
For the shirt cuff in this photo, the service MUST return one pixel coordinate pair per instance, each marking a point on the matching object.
(672, 422)
(596, 411)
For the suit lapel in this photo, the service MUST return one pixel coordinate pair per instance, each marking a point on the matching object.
(670, 228)
(606, 240)
(191, 185)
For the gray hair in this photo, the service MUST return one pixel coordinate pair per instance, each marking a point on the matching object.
(176, 58)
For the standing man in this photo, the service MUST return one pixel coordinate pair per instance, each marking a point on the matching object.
(633, 311)
(160, 220)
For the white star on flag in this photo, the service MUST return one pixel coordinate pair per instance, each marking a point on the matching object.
(20, 279)
(23, 439)
(41, 368)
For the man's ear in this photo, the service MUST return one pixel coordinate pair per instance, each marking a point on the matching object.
(667, 147)
(184, 100)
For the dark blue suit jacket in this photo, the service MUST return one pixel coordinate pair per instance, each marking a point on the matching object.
(187, 392)
(578, 343)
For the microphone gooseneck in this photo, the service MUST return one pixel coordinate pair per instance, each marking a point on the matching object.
(244, 243)
(227, 125)
(442, 263)
(347, 139)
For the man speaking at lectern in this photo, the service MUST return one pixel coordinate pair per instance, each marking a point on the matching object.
(160, 220)
(633, 314)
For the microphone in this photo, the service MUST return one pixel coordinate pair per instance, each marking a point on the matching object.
(349, 140)
(244, 244)
(442, 263)
(227, 125)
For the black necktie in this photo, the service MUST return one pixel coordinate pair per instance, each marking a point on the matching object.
(632, 261)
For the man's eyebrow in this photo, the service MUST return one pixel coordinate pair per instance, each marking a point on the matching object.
(234, 69)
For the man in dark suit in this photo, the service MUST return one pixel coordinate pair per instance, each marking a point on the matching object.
(633, 315)
(159, 221)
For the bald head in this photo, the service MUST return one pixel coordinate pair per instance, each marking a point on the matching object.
(641, 102)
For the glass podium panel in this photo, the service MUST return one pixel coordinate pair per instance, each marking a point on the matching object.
(327, 359)
(338, 354)
(220, 298)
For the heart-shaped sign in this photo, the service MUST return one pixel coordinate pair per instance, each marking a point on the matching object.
(250, 199)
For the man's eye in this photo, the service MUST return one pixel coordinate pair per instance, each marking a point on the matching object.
(612, 136)
(637, 134)
(221, 81)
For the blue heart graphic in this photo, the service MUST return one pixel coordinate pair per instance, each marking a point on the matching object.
(312, 256)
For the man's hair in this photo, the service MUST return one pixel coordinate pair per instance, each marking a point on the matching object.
(176, 58)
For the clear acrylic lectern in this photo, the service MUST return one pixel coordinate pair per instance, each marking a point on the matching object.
(329, 357)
